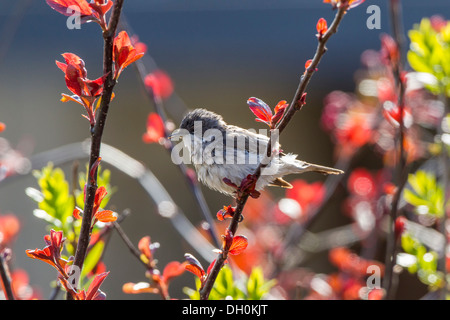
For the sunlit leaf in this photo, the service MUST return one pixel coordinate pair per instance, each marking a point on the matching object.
(238, 245)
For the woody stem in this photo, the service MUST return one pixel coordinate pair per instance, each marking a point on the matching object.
(97, 132)
(391, 278)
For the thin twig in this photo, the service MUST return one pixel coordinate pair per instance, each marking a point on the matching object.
(149, 266)
(128, 243)
(295, 106)
(390, 279)
(5, 276)
(56, 290)
(97, 132)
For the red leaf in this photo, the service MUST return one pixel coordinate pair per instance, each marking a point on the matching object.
(99, 195)
(211, 265)
(194, 266)
(228, 182)
(280, 108)
(248, 185)
(73, 98)
(173, 269)
(76, 213)
(74, 79)
(144, 247)
(308, 63)
(80, 6)
(321, 27)
(95, 87)
(260, 109)
(399, 226)
(124, 53)
(9, 227)
(238, 245)
(106, 216)
(155, 129)
(355, 3)
(140, 287)
(95, 285)
(51, 254)
(101, 8)
(226, 212)
(160, 83)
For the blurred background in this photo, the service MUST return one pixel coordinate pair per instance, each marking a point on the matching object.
(218, 54)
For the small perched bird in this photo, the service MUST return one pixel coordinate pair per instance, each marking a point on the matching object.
(219, 150)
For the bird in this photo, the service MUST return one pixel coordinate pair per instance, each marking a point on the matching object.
(222, 153)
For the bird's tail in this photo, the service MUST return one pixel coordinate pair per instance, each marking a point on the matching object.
(293, 165)
(310, 167)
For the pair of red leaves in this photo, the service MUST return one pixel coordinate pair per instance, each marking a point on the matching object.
(264, 114)
(87, 91)
(51, 254)
(94, 11)
(160, 85)
(124, 53)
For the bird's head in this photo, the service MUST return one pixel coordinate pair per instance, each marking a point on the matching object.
(200, 119)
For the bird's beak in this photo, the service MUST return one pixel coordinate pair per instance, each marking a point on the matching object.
(176, 135)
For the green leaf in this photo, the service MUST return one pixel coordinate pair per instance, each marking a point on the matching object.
(257, 286)
(426, 192)
(55, 199)
(409, 244)
(430, 52)
(92, 258)
(414, 199)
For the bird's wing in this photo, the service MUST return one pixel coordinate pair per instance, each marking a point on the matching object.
(250, 141)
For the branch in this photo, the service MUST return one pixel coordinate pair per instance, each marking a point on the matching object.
(5, 276)
(149, 266)
(134, 251)
(294, 106)
(97, 132)
(390, 279)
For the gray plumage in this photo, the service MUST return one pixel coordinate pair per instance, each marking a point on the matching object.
(241, 153)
